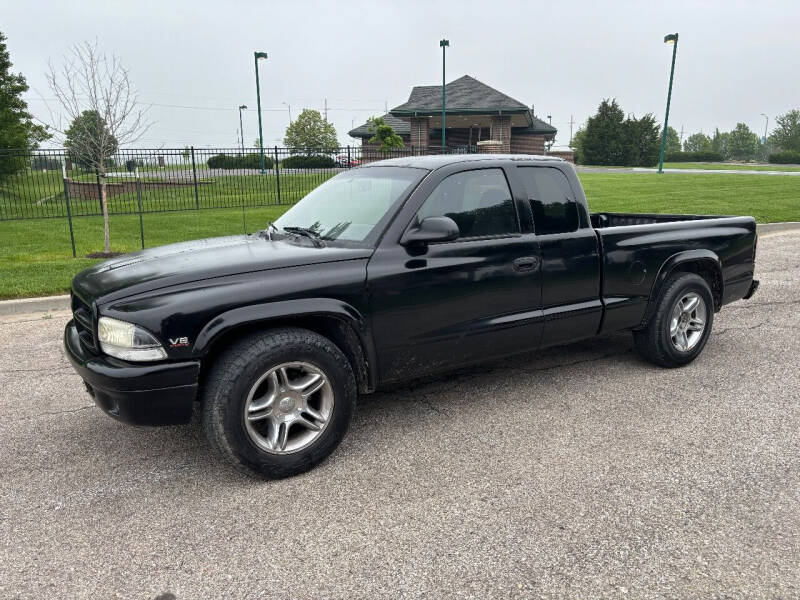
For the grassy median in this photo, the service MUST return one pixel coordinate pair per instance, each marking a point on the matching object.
(36, 257)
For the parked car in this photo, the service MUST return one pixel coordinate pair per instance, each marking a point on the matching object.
(345, 162)
(387, 272)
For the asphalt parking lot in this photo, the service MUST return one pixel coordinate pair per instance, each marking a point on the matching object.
(579, 472)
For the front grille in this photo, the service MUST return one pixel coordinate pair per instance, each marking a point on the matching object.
(84, 321)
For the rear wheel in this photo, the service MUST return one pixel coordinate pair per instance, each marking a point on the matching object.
(277, 403)
(679, 328)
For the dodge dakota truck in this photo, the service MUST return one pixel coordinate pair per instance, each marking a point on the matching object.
(386, 272)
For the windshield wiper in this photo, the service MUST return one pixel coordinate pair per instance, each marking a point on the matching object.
(306, 232)
(267, 233)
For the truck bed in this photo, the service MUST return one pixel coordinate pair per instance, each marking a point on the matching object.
(636, 248)
(607, 219)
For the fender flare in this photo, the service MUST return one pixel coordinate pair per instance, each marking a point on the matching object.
(674, 262)
(291, 309)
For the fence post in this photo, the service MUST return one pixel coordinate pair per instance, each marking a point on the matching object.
(99, 190)
(69, 209)
(139, 203)
(277, 175)
(194, 177)
(348, 158)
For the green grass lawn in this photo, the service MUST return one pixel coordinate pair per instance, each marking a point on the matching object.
(729, 166)
(36, 258)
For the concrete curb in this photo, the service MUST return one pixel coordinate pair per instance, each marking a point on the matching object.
(24, 306)
(55, 303)
(773, 227)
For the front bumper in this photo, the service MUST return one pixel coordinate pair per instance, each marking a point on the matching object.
(138, 394)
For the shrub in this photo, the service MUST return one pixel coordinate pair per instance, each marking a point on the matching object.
(308, 162)
(699, 156)
(787, 157)
(239, 161)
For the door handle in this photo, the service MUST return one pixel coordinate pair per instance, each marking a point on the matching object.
(526, 263)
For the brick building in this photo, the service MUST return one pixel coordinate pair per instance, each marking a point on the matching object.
(475, 113)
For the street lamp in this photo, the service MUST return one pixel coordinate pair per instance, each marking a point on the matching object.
(668, 39)
(290, 111)
(444, 44)
(256, 56)
(241, 128)
(766, 124)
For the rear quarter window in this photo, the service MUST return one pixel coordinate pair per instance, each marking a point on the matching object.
(552, 202)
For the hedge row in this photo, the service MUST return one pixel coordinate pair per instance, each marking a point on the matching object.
(700, 156)
(787, 157)
(239, 161)
(308, 162)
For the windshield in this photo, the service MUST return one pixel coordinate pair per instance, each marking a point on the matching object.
(350, 205)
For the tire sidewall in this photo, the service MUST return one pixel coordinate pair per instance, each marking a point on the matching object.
(281, 465)
(682, 286)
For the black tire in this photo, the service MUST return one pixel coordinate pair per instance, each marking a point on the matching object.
(654, 342)
(237, 370)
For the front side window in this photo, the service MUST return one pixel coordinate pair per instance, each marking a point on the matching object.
(478, 201)
(350, 205)
(554, 209)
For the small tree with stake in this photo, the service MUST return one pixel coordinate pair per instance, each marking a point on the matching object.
(385, 135)
(100, 104)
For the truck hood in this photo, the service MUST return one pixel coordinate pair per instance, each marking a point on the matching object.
(198, 260)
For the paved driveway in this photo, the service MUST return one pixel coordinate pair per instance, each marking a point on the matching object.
(581, 472)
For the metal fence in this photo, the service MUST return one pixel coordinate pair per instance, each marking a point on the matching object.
(51, 184)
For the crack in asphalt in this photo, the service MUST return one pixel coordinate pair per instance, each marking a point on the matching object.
(49, 414)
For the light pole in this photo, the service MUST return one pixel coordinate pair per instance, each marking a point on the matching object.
(290, 111)
(668, 39)
(766, 124)
(256, 56)
(241, 128)
(444, 44)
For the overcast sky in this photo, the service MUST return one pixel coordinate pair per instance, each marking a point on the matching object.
(194, 60)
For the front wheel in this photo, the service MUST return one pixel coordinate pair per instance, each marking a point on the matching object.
(678, 330)
(275, 404)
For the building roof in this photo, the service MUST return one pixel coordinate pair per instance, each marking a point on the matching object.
(401, 127)
(465, 95)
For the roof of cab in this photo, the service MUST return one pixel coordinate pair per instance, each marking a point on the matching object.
(435, 161)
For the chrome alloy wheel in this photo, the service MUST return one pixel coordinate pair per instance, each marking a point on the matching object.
(688, 322)
(288, 407)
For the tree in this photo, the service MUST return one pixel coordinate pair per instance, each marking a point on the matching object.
(719, 143)
(786, 134)
(82, 137)
(642, 141)
(311, 133)
(17, 129)
(608, 138)
(603, 139)
(577, 142)
(101, 105)
(742, 144)
(385, 135)
(186, 154)
(697, 142)
(673, 140)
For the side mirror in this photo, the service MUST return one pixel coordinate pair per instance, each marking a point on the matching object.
(430, 229)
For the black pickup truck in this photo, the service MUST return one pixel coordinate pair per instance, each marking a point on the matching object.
(386, 272)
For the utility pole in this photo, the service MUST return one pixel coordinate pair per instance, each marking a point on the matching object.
(326, 109)
(385, 107)
(571, 123)
(681, 139)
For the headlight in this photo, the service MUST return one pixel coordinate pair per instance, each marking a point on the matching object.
(128, 341)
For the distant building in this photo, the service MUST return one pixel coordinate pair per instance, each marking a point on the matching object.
(475, 113)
